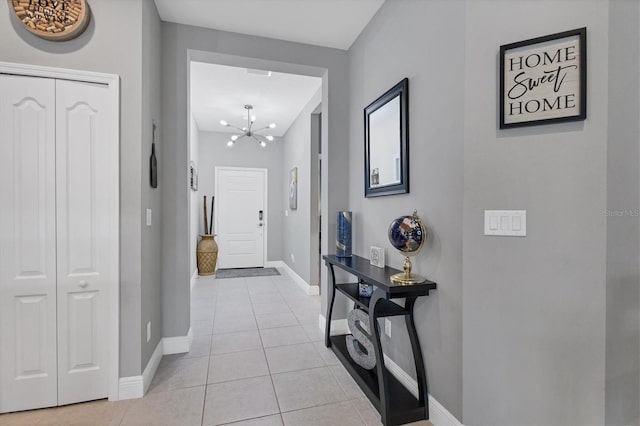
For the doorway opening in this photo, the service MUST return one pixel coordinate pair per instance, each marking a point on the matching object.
(221, 136)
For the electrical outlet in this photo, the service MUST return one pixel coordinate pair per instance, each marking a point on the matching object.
(148, 331)
(293, 258)
(387, 327)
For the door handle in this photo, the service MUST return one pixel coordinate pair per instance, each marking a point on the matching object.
(260, 215)
(83, 284)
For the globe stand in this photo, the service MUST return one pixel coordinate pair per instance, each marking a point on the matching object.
(406, 278)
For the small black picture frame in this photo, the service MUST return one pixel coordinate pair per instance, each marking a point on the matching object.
(544, 80)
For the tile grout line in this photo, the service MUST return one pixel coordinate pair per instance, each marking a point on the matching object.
(206, 377)
(273, 386)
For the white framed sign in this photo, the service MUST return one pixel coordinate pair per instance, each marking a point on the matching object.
(544, 80)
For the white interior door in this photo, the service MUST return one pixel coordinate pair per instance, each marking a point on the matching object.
(241, 217)
(28, 366)
(86, 191)
(59, 239)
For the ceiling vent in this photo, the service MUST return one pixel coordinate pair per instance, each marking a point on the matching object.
(259, 72)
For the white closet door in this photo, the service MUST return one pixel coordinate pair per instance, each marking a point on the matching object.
(28, 367)
(86, 190)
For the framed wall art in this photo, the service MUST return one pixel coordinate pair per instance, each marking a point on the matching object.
(544, 80)
(193, 176)
(59, 20)
(293, 189)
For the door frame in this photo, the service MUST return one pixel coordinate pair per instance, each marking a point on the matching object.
(265, 172)
(112, 81)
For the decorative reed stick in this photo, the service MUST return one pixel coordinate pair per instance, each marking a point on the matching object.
(205, 215)
(213, 198)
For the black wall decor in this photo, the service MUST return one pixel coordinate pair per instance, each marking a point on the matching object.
(386, 143)
(544, 80)
(153, 161)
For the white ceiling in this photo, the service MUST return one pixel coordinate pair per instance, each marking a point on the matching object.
(220, 92)
(329, 23)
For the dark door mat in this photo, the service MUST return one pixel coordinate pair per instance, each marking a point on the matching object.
(246, 272)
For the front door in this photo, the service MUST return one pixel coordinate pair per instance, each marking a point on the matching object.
(240, 217)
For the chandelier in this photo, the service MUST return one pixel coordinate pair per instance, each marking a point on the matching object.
(248, 131)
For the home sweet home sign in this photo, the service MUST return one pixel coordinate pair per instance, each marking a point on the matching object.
(544, 80)
(56, 20)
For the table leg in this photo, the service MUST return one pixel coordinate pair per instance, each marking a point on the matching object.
(421, 372)
(332, 296)
(374, 330)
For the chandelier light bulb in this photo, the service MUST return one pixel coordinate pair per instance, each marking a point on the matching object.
(234, 137)
(230, 143)
(253, 118)
(272, 125)
(269, 138)
(262, 144)
(224, 123)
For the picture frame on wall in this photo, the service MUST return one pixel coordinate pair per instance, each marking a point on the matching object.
(193, 176)
(544, 80)
(293, 189)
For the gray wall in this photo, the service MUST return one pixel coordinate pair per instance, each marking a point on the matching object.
(180, 43)
(214, 152)
(623, 188)
(111, 44)
(524, 339)
(423, 41)
(297, 153)
(314, 239)
(151, 296)
(534, 307)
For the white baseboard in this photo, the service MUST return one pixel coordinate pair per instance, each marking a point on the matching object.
(152, 366)
(439, 416)
(194, 277)
(311, 290)
(130, 387)
(137, 386)
(337, 326)
(177, 345)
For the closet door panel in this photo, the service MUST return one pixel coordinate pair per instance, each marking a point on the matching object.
(85, 206)
(28, 367)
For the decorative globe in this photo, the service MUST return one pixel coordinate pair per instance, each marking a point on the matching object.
(407, 234)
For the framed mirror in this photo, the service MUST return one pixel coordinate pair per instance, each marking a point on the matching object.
(386, 143)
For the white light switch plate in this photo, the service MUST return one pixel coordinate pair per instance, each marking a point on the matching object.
(148, 217)
(505, 223)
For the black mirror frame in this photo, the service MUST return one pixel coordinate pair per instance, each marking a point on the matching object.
(401, 89)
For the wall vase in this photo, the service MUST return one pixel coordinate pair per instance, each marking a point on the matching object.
(207, 254)
(343, 234)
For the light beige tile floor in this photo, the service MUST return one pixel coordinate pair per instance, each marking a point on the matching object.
(257, 359)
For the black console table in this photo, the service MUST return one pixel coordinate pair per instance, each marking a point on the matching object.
(392, 399)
